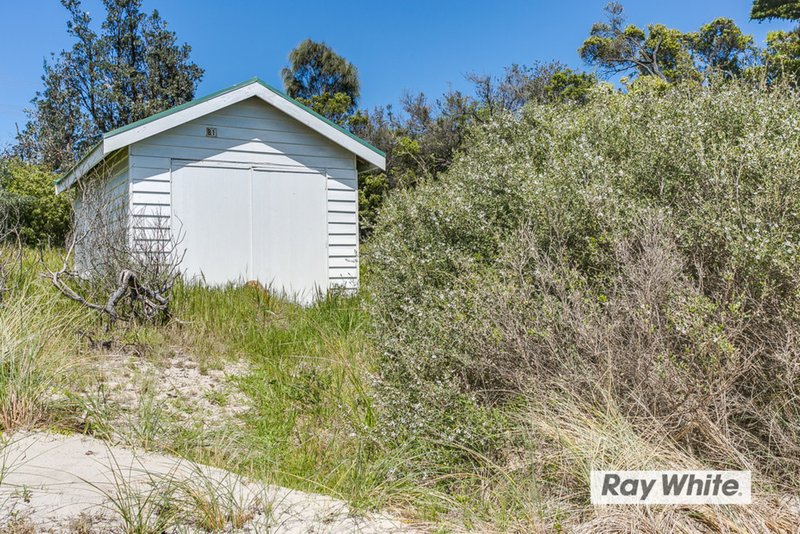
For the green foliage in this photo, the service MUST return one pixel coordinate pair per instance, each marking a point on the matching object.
(37, 345)
(372, 191)
(42, 217)
(640, 250)
(615, 47)
(783, 56)
(337, 107)
(571, 86)
(318, 74)
(419, 145)
(131, 69)
(312, 415)
(775, 9)
(520, 84)
(305, 370)
(423, 139)
(721, 46)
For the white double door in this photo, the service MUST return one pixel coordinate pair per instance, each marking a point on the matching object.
(242, 223)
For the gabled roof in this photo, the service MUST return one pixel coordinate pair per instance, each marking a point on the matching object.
(255, 87)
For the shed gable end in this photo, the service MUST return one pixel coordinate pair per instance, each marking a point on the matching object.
(251, 133)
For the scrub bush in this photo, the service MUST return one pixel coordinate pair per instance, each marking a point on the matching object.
(637, 252)
(28, 191)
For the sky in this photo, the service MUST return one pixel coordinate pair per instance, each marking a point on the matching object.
(398, 47)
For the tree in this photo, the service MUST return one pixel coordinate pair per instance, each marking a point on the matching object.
(775, 9)
(666, 53)
(322, 79)
(721, 46)
(616, 48)
(430, 136)
(782, 56)
(132, 68)
(420, 143)
(338, 107)
(27, 190)
(566, 85)
(542, 83)
(518, 85)
(509, 92)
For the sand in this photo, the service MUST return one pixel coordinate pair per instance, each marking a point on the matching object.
(57, 483)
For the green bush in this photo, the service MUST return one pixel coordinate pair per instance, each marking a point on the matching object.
(28, 190)
(639, 251)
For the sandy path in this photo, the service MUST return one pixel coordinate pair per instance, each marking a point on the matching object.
(60, 482)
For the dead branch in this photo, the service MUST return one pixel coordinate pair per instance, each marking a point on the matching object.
(114, 263)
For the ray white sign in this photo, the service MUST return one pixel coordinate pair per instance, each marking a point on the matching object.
(670, 487)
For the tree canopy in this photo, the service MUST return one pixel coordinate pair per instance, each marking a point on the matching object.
(721, 46)
(616, 47)
(775, 9)
(26, 193)
(131, 68)
(322, 79)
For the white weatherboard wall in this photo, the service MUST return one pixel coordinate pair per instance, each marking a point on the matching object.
(254, 136)
(105, 188)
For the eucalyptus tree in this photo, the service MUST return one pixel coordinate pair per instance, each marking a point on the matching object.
(616, 47)
(775, 9)
(782, 56)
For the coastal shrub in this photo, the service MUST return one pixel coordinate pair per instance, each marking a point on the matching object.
(638, 251)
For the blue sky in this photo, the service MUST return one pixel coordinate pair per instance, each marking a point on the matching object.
(397, 46)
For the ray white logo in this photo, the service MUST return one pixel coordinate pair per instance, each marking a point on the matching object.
(670, 487)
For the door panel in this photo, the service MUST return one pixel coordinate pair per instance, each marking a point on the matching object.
(210, 206)
(253, 224)
(290, 231)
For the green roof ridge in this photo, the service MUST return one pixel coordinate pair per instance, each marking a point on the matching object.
(215, 94)
(257, 80)
(321, 117)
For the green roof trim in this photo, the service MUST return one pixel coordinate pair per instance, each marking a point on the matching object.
(206, 98)
(85, 156)
(321, 117)
(257, 80)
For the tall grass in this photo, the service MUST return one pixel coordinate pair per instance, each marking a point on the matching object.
(38, 351)
(309, 383)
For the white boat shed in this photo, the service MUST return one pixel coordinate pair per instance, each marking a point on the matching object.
(261, 188)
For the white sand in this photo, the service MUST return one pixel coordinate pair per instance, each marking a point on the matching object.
(51, 480)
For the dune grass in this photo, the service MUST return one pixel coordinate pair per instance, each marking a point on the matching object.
(312, 417)
(39, 350)
(308, 379)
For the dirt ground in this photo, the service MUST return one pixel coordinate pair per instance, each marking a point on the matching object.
(177, 385)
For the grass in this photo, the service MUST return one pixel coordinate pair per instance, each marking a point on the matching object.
(141, 508)
(310, 424)
(309, 383)
(216, 504)
(311, 418)
(39, 352)
(186, 494)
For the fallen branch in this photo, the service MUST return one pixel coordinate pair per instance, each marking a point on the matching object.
(120, 269)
